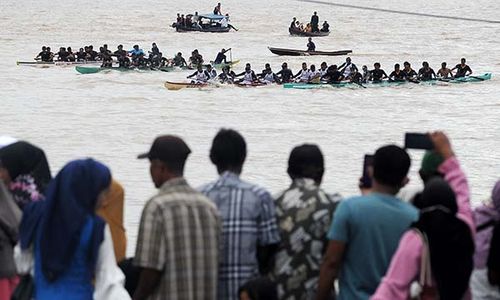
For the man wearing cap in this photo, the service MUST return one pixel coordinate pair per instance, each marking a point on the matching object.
(250, 233)
(178, 241)
(304, 215)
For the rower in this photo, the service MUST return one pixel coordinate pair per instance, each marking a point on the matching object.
(248, 75)
(444, 72)
(39, 56)
(293, 24)
(155, 56)
(201, 75)
(221, 57)
(366, 74)
(196, 58)
(355, 76)
(426, 73)
(227, 76)
(333, 75)
(105, 46)
(315, 22)
(81, 55)
(410, 73)
(311, 47)
(462, 69)
(303, 74)
(179, 61)
(137, 55)
(107, 59)
(346, 67)
(267, 67)
(120, 52)
(326, 27)
(211, 72)
(269, 76)
(92, 55)
(314, 75)
(397, 75)
(323, 68)
(377, 74)
(62, 55)
(71, 55)
(285, 73)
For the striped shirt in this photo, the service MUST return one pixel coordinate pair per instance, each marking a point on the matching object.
(249, 220)
(179, 235)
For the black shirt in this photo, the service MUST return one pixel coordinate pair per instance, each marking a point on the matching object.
(410, 73)
(333, 76)
(220, 58)
(46, 56)
(461, 71)
(377, 75)
(314, 20)
(401, 76)
(286, 75)
(358, 77)
(425, 75)
(311, 46)
(120, 53)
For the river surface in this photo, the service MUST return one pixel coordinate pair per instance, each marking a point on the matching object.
(113, 117)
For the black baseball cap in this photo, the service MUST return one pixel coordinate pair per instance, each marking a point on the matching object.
(167, 148)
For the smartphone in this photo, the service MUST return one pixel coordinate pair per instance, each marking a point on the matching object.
(365, 180)
(418, 141)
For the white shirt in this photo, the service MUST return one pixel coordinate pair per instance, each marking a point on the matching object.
(224, 22)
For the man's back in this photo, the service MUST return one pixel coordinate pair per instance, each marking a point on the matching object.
(179, 236)
(249, 220)
(371, 227)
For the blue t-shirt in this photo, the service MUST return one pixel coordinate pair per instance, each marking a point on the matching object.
(371, 227)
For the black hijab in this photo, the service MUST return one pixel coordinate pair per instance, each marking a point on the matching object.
(450, 240)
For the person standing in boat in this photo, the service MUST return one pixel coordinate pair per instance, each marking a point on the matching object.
(397, 75)
(462, 69)
(217, 10)
(303, 74)
(346, 67)
(426, 73)
(202, 76)
(326, 27)
(286, 75)
(444, 72)
(311, 47)
(221, 57)
(410, 73)
(315, 22)
(249, 76)
(377, 74)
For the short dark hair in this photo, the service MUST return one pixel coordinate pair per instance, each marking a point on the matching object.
(228, 149)
(306, 161)
(391, 165)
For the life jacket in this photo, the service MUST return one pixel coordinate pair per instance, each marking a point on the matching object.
(202, 76)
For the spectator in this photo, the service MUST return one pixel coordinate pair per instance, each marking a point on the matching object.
(178, 242)
(444, 231)
(258, 289)
(304, 213)
(250, 232)
(112, 212)
(25, 171)
(366, 230)
(10, 217)
(72, 246)
(486, 217)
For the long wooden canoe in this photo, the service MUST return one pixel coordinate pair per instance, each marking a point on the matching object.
(293, 52)
(386, 83)
(56, 63)
(175, 86)
(93, 70)
(298, 32)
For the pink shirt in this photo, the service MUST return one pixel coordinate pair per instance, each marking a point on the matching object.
(405, 264)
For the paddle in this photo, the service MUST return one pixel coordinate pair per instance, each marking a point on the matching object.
(359, 83)
(416, 81)
(476, 77)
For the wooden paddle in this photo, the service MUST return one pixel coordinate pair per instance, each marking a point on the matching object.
(475, 77)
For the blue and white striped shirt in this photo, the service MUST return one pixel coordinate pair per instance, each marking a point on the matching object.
(249, 220)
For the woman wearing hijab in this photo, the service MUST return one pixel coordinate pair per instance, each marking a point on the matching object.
(446, 223)
(486, 216)
(112, 212)
(25, 171)
(72, 245)
(10, 217)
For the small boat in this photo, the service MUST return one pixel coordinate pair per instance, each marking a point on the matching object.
(209, 23)
(175, 86)
(298, 32)
(56, 63)
(386, 83)
(292, 52)
(93, 70)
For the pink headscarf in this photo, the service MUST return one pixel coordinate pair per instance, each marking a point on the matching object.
(483, 215)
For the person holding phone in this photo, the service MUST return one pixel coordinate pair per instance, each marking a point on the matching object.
(444, 231)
